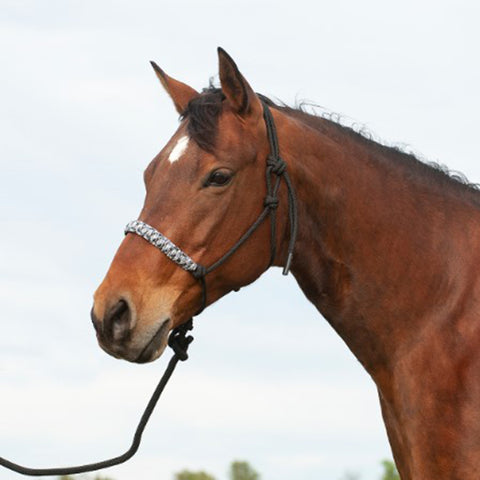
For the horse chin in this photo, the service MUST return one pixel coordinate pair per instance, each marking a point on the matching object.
(156, 345)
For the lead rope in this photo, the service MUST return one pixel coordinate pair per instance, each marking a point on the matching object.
(179, 342)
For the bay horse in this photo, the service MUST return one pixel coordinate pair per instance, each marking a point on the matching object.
(387, 249)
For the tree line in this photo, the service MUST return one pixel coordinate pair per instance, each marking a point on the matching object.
(242, 470)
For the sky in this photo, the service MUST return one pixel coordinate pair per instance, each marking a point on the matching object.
(82, 114)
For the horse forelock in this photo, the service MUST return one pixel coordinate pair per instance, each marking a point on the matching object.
(202, 114)
(202, 118)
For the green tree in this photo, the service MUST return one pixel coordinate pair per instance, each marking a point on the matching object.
(188, 475)
(389, 471)
(242, 471)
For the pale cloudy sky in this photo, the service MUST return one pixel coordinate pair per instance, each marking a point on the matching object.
(81, 115)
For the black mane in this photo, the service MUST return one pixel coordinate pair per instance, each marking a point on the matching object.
(203, 112)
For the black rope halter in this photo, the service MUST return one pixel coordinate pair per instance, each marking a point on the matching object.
(178, 339)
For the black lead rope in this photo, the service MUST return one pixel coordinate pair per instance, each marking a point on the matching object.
(179, 342)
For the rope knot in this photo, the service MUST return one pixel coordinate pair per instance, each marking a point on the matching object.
(277, 165)
(179, 341)
(271, 202)
(199, 272)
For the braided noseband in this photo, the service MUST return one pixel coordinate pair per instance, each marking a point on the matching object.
(275, 166)
(160, 241)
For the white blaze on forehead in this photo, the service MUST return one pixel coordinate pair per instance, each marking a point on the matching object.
(179, 149)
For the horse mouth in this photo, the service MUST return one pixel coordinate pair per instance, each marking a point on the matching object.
(156, 344)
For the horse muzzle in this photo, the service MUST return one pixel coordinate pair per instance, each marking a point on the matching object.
(118, 335)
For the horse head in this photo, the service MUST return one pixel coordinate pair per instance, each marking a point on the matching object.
(204, 190)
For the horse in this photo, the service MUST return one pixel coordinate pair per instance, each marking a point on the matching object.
(386, 247)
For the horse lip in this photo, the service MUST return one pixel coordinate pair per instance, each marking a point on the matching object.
(146, 355)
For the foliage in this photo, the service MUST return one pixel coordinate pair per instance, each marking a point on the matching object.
(242, 471)
(188, 475)
(389, 471)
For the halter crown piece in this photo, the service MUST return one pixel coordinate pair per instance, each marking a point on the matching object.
(179, 339)
(275, 166)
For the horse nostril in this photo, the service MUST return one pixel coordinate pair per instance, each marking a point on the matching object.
(117, 321)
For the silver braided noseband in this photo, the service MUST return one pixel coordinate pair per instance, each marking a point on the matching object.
(160, 241)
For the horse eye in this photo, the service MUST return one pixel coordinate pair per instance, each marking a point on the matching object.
(218, 178)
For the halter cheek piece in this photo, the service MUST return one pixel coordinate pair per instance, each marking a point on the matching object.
(178, 339)
(275, 167)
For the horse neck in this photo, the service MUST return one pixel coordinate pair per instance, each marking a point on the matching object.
(372, 243)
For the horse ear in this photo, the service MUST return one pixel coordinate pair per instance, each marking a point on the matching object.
(179, 92)
(237, 90)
